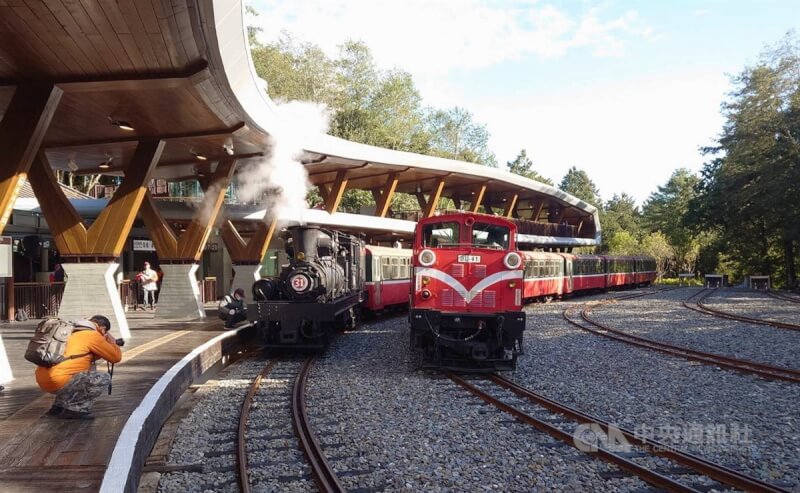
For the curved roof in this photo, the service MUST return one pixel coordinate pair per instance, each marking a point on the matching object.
(181, 71)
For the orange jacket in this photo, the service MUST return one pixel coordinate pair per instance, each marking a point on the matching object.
(80, 342)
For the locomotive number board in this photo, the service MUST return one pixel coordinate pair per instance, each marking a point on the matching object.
(469, 259)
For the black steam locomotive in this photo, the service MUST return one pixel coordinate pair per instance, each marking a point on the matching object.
(316, 294)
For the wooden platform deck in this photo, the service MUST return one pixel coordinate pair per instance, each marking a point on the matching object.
(41, 453)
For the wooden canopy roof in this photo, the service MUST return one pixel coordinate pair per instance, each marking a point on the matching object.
(180, 70)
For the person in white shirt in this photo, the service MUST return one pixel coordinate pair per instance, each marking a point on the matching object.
(149, 281)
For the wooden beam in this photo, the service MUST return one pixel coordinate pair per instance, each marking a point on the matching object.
(337, 191)
(538, 211)
(64, 222)
(193, 241)
(421, 200)
(250, 251)
(386, 195)
(324, 192)
(213, 132)
(108, 233)
(162, 80)
(478, 199)
(511, 205)
(161, 232)
(22, 130)
(433, 199)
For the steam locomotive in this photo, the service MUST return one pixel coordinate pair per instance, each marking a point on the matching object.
(316, 294)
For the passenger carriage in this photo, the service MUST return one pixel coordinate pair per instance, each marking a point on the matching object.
(388, 277)
(544, 275)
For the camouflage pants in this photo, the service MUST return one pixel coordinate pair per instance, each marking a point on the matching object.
(80, 393)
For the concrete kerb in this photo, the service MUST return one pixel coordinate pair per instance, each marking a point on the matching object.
(143, 426)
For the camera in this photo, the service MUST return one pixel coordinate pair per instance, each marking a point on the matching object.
(120, 342)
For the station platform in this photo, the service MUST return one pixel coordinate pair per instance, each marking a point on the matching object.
(42, 453)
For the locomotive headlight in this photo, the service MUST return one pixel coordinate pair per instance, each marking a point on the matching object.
(300, 256)
(425, 294)
(427, 258)
(426, 280)
(512, 260)
(512, 285)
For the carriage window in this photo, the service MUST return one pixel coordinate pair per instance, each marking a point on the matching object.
(490, 235)
(440, 234)
(386, 269)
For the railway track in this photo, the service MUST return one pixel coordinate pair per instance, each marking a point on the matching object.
(587, 323)
(630, 452)
(324, 475)
(701, 307)
(783, 296)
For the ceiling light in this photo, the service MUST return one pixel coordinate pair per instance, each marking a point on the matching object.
(121, 124)
(199, 156)
(228, 147)
(107, 163)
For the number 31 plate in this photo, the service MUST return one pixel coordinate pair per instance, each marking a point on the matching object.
(469, 259)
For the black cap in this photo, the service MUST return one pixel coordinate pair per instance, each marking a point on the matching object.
(239, 291)
(101, 320)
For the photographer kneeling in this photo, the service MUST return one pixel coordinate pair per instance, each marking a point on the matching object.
(232, 309)
(75, 381)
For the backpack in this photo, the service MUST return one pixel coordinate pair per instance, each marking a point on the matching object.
(46, 347)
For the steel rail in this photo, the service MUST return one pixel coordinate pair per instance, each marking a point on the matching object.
(241, 440)
(783, 296)
(703, 308)
(649, 476)
(324, 475)
(713, 470)
(761, 369)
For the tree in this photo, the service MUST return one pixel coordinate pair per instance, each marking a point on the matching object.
(523, 166)
(657, 246)
(623, 243)
(455, 135)
(577, 183)
(749, 189)
(664, 211)
(620, 214)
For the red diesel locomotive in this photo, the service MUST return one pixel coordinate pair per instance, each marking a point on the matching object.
(466, 294)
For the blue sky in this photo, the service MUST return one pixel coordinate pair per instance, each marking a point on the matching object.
(626, 90)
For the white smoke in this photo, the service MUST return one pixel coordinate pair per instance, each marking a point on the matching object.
(279, 180)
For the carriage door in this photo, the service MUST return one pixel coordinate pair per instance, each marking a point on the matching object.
(568, 273)
(376, 277)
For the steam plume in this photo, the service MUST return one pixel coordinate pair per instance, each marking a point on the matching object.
(280, 180)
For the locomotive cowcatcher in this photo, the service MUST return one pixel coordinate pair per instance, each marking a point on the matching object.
(316, 294)
(466, 295)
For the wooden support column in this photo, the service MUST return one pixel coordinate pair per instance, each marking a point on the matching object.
(107, 235)
(189, 245)
(580, 225)
(384, 201)
(476, 202)
(337, 191)
(421, 200)
(511, 205)
(433, 199)
(22, 130)
(250, 251)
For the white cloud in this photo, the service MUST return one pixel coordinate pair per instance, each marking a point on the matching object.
(434, 37)
(628, 136)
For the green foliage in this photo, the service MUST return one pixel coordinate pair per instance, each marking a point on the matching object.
(623, 243)
(577, 183)
(657, 246)
(664, 211)
(370, 106)
(749, 189)
(620, 214)
(523, 166)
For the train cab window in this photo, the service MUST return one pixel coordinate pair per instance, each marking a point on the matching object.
(490, 236)
(437, 235)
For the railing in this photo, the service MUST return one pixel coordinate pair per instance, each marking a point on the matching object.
(40, 300)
